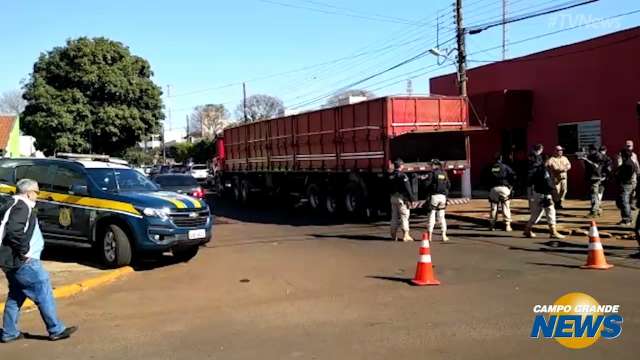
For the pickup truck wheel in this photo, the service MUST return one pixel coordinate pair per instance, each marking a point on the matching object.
(186, 254)
(115, 248)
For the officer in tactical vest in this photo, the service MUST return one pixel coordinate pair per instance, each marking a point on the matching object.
(500, 179)
(542, 200)
(437, 185)
(402, 199)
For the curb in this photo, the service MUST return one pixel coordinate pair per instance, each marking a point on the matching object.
(66, 291)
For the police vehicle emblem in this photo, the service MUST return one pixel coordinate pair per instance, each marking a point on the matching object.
(64, 217)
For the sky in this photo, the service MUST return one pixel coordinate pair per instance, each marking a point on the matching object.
(301, 51)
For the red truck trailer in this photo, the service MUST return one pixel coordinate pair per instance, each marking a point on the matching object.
(338, 158)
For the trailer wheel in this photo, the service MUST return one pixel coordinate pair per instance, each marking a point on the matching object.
(330, 200)
(236, 191)
(244, 191)
(314, 197)
(354, 198)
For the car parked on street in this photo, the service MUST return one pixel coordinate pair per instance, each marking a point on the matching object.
(90, 201)
(180, 183)
(200, 172)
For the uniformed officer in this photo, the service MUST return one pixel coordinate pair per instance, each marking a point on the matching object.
(402, 198)
(500, 180)
(542, 200)
(534, 164)
(437, 185)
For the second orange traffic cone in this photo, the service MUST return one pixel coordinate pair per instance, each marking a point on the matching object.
(424, 271)
(596, 259)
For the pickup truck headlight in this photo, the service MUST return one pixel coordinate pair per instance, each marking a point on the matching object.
(163, 213)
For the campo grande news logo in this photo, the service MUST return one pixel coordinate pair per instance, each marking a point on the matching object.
(576, 321)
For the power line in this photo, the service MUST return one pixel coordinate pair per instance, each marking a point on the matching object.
(516, 18)
(315, 2)
(560, 31)
(332, 12)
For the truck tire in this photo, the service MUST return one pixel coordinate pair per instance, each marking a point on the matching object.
(114, 247)
(185, 254)
(354, 199)
(314, 197)
(244, 192)
(330, 202)
(235, 191)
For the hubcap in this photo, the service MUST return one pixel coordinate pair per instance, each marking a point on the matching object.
(109, 246)
(314, 199)
(331, 204)
(352, 202)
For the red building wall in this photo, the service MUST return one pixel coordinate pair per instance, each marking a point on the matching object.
(598, 79)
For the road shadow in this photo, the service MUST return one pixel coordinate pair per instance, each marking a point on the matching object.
(29, 336)
(391, 278)
(277, 213)
(352, 237)
(555, 265)
(72, 255)
(88, 257)
(564, 244)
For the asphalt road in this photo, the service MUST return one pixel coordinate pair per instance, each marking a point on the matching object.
(277, 284)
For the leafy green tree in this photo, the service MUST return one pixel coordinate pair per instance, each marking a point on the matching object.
(137, 156)
(181, 152)
(91, 95)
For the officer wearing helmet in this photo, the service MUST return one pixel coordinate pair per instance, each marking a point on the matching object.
(437, 184)
(402, 199)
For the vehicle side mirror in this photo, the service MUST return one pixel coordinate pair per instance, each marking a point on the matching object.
(77, 189)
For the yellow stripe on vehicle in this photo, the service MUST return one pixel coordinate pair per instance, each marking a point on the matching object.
(101, 204)
(89, 202)
(196, 203)
(170, 198)
(7, 189)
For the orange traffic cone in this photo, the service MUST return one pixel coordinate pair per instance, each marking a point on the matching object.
(595, 259)
(424, 270)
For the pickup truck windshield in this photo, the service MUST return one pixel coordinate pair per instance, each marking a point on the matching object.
(114, 180)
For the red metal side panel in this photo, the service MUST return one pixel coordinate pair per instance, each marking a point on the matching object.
(256, 144)
(427, 115)
(235, 148)
(315, 140)
(361, 128)
(280, 144)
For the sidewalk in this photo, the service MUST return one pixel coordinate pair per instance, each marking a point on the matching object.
(572, 220)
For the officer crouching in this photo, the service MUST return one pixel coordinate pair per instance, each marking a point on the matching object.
(500, 179)
(437, 185)
(402, 199)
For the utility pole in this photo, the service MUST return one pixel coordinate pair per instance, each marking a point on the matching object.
(462, 52)
(409, 87)
(164, 148)
(462, 84)
(244, 101)
(504, 29)
(188, 130)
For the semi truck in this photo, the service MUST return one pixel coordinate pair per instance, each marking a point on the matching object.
(338, 159)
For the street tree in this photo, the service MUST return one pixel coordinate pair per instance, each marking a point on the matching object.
(260, 107)
(91, 95)
(343, 97)
(11, 102)
(207, 120)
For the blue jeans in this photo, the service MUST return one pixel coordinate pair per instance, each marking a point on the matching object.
(624, 202)
(30, 281)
